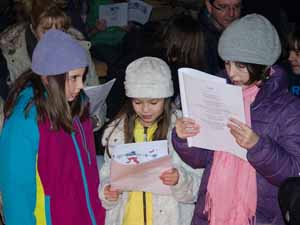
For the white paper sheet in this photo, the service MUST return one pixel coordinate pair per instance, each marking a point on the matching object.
(139, 11)
(141, 177)
(136, 153)
(114, 14)
(97, 95)
(211, 102)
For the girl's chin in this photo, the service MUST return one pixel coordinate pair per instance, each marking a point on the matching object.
(146, 122)
(71, 99)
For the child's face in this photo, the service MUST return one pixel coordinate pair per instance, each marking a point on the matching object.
(294, 59)
(237, 73)
(45, 25)
(148, 109)
(74, 83)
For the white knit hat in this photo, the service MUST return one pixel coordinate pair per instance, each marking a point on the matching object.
(251, 39)
(148, 77)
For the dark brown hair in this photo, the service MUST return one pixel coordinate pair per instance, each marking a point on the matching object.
(184, 42)
(256, 72)
(50, 100)
(294, 40)
(48, 16)
(128, 114)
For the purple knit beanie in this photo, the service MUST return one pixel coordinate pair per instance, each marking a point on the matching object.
(57, 53)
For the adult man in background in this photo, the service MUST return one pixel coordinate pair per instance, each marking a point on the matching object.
(214, 18)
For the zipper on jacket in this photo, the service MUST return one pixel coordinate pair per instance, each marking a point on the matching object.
(145, 208)
(85, 182)
(144, 193)
(83, 139)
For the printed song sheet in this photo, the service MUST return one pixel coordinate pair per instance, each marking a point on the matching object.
(136, 153)
(138, 166)
(114, 14)
(139, 11)
(97, 95)
(211, 102)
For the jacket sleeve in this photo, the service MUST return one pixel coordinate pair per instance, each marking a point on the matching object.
(105, 173)
(279, 159)
(104, 177)
(19, 144)
(186, 190)
(193, 156)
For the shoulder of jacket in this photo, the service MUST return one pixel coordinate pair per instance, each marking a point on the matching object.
(76, 34)
(175, 115)
(112, 129)
(10, 38)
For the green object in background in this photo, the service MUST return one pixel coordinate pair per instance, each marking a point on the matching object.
(112, 35)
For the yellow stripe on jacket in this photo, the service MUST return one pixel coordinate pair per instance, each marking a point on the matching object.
(134, 209)
(39, 211)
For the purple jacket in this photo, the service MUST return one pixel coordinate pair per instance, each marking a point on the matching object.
(275, 117)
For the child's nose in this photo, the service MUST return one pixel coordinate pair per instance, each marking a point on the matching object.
(145, 107)
(80, 85)
(292, 56)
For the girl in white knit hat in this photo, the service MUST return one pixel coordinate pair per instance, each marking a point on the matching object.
(148, 116)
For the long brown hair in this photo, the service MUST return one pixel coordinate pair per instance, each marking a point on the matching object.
(50, 100)
(184, 42)
(128, 114)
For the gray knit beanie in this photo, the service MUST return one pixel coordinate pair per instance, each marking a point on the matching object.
(57, 53)
(251, 39)
(148, 77)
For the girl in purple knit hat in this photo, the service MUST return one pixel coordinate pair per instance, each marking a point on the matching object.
(48, 171)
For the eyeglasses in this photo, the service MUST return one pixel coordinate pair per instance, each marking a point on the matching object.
(227, 8)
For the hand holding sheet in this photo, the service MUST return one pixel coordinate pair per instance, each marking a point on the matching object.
(211, 102)
(139, 166)
(141, 177)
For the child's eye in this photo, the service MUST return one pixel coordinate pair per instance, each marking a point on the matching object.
(136, 102)
(72, 79)
(240, 65)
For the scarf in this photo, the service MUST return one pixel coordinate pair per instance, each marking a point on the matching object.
(136, 205)
(231, 192)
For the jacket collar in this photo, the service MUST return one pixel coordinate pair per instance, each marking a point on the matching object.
(273, 86)
(31, 41)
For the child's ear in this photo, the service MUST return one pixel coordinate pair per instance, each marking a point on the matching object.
(44, 80)
(208, 6)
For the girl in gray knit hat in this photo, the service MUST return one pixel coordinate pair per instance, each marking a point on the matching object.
(234, 191)
(147, 116)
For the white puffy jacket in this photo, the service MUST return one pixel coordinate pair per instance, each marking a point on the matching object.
(167, 210)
